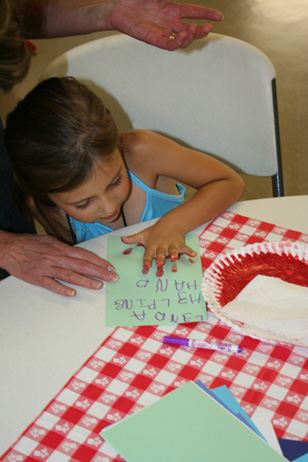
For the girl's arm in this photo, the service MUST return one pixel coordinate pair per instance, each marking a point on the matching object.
(217, 185)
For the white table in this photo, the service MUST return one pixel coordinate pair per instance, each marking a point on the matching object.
(45, 338)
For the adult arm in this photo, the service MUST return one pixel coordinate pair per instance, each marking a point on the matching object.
(42, 260)
(151, 21)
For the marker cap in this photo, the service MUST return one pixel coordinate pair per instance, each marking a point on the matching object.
(176, 340)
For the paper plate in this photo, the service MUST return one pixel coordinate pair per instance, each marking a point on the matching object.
(228, 275)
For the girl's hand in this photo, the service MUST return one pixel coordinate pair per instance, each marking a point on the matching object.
(160, 241)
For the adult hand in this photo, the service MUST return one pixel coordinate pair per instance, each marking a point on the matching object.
(160, 242)
(155, 21)
(40, 259)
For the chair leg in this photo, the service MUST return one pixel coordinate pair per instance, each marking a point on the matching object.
(277, 185)
(277, 179)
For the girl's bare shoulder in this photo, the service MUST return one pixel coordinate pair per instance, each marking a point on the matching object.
(138, 139)
(141, 150)
(141, 145)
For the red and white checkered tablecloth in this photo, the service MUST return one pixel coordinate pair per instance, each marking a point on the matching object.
(133, 368)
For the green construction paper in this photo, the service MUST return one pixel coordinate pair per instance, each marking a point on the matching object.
(138, 299)
(187, 425)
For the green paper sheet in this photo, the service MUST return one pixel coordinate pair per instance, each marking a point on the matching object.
(138, 299)
(187, 425)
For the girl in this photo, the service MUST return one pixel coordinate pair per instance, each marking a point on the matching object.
(79, 178)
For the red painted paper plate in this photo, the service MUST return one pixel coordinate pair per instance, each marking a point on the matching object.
(224, 282)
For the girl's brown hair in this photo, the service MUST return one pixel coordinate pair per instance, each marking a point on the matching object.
(53, 138)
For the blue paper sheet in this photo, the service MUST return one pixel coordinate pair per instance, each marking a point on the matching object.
(294, 451)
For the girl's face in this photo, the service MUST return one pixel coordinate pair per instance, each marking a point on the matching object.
(101, 196)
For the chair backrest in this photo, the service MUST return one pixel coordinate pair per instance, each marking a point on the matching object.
(215, 96)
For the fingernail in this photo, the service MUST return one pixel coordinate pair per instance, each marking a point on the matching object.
(113, 277)
(70, 292)
(111, 268)
(97, 284)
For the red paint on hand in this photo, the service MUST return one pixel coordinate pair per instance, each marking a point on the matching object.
(127, 251)
(160, 271)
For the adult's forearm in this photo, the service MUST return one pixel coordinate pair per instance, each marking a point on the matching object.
(60, 18)
(151, 21)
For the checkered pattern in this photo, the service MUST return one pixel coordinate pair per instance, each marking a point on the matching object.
(231, 231)
(133, 368)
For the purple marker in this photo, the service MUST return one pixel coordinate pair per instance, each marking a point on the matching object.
(203, 344)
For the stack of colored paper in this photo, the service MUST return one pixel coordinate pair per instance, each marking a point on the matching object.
(191, 423)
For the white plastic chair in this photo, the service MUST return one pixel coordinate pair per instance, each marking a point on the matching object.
(217, 96)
